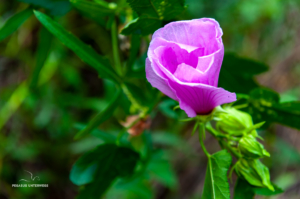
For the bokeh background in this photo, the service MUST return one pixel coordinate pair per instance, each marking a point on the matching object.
(37, 127)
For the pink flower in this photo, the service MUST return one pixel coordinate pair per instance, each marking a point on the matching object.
(184, 62)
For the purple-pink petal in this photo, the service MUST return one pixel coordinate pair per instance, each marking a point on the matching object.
(184, 62)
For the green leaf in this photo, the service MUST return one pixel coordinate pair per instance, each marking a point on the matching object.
(42, 54)
(95, 11)
(85, 52)
(267, 192)
(264, 105)
(56, 7)
(243, 190)
(151, 14)
(100, 117)
(237, 73)
(13, 23)
(111, 162)
(216, 184)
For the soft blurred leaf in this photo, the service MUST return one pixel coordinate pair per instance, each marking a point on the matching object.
(162, 170)
(104, 136)
(151, 13)
(135, 188)
(216, 184)
(285, 154)
(85, 52)
(100, 117)
(167, 106)
(237, 73)
(243, 190)
(13, 23)
(13, 103)
(56, 7)
(42, 54)
(111, 162)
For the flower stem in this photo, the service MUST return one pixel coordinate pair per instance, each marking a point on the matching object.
(201, 136)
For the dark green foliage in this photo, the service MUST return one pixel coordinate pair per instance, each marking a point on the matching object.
(267, 192)
(264, 105)
(237, 73)
(55, 7)
(151, 14)
(100, 167)
(243, 190)
(95, 11)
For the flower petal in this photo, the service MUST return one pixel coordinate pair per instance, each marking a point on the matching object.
(197, 98)
(186, 73)
(200, 98)
(211, 66)
(203, 32)
(157, 81)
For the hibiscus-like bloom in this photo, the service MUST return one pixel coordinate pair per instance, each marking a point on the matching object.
(184, 62)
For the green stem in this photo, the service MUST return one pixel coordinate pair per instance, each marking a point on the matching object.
(115, 46)
(232, 150)
(201, 136)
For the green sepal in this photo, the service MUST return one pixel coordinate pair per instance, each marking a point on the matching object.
(251, 148)
(255, 172)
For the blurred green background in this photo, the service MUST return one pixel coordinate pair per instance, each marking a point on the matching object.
(37, 124)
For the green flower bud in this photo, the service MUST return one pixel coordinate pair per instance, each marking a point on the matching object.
(251, 148)
(234, 122)
(255, 172)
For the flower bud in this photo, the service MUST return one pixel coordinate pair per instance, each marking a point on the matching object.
(234, 122)
(251, 148)
(255, 172)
